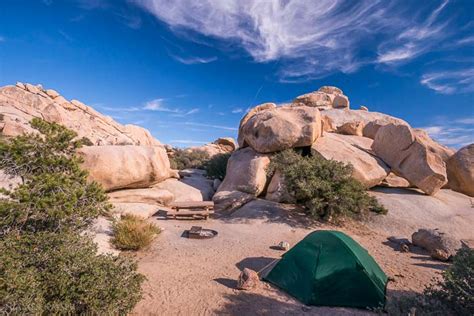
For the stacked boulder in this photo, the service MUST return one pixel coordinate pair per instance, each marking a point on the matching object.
(382, 149)
(223, 145)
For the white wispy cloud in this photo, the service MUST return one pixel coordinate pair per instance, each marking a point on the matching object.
(416, 39)
(118, 109)
(466, 40)
(459, 134)
(449, 82)
(157, 105)
(311, 39)
(211, 126)
(191, 60)
(237, 110)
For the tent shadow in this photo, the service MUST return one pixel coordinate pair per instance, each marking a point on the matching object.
(254, 263)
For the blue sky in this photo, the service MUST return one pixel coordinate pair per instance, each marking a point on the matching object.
(187, 69)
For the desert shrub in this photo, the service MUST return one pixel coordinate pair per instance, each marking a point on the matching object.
(216, 166)
(325, 187)
(54, 193)
(47, 265)
(133, 233)
(453, 294)
(455, 291)
(85, 141)
(184, 159)
(61, 274)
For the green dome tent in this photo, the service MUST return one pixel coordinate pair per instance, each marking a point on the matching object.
(329, 268)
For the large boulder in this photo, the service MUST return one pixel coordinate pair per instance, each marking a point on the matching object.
(247, 116)
(21, 103)
(226, 202)
(200, 182)
(444, 152)
(147, 195)
(440, 245)
(355, 150)
(394, 181)
(118, 167)
(325, 97)
(246, 172)
(370, 121)
(409, 157)
(223, 145)
(460, 170)
(282, 128)
(277, 190)
(182, 192)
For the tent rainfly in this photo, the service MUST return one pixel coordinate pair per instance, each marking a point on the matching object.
(329, 268)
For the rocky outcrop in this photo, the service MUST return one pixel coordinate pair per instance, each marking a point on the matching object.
(326, 97)
(118, 167)
(147, 195)
(181, 192)
(355, 150)
(460, 170)
(440, 245)
(228, 201)
(247, 116)
(394, 181)
(197, 179)
(444, 152)
(21, 103)
(352, 128)
(408, 156)
(371, 121)
(281, 128)
(223, 145)
(246, 172)
(277, 190)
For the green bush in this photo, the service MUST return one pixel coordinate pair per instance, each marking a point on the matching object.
(49, 273)
(452, 295)
(325, 187)
(47, 265)
(455, 291)
(133, 233)
(54, 193)
(185, 159)
(216, 166)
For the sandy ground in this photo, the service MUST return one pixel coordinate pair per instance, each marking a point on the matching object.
(198, 277)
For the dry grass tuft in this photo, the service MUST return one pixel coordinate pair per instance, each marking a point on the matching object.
(133, 233)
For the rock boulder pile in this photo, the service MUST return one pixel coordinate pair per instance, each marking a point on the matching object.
(382, 149)
(22, 102)
(125, 159)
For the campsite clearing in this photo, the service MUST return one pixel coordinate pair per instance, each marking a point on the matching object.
(199, 277)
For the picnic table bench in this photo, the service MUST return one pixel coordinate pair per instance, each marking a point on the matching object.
(197, 210)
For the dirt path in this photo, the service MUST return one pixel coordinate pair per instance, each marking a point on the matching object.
(198, 277)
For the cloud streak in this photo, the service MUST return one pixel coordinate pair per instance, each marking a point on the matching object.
(460, 135)
(449, 82)
(311, 39)
(227, 128)
(192, 60)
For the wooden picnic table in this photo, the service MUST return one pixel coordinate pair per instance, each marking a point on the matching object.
(198, 210)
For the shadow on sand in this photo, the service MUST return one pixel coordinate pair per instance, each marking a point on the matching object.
(271, 212)
(398, 191)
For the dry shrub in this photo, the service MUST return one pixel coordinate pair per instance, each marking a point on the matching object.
(133, 233)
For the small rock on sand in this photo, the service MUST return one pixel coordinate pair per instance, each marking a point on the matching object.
(248, 279)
